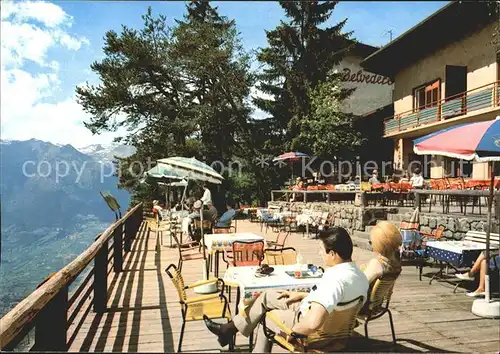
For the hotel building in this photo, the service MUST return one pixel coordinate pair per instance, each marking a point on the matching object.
(445, 72)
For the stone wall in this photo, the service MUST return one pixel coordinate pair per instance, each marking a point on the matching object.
(455, 226)
(354, 217)
(348, 216)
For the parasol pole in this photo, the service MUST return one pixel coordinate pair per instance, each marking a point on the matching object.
(488, 231)
(487, 307)
(184, 193)
(202, 234)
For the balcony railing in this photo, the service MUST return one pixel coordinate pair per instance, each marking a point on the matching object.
(450, 107)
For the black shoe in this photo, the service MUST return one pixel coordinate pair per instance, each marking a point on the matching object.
(214, 327)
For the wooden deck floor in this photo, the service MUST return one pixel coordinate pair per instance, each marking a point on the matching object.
(144, 313)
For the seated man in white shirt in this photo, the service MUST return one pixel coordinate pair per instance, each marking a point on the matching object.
(305, 313)
(417, 181)
(374, 178)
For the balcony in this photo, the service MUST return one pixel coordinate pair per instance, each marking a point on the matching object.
(463, 104)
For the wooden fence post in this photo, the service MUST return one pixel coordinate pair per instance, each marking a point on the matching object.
(117, 249)
(101, 279)
(129, 234)
(52, 323)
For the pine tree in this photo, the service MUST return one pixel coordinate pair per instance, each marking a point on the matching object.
(300, 55)
(178, 91)
(214, 66)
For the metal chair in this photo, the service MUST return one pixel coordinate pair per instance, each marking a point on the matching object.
(378, 302)
(197, 226)
(193, 308)
(281, 237)
(245, 254)
(332, 336)
(187, 251)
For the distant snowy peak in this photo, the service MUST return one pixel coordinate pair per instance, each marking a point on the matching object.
(92, 149)
(107, 152)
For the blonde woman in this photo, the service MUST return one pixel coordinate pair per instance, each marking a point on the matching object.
(386, 241)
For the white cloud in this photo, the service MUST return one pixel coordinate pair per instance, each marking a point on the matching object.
(60, 123)
(29, 31)
(43, 12)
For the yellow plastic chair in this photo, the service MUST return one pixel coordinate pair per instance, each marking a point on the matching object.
(378, 302)
(193, 308)
(332, 336)
(283, 256)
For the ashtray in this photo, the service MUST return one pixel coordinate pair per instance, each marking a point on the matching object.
(264, 270)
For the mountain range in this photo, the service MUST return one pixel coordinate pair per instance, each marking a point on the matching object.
(51, 208)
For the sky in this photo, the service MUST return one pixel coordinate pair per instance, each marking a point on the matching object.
(47, 49)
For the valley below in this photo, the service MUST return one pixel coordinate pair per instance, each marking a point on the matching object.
(47, 223)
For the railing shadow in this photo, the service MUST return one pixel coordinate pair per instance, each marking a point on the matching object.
(168, 342)
(123, 285)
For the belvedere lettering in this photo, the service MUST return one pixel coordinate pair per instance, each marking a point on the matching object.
(361, 77)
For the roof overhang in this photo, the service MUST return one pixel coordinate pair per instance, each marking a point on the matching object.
(363, 50)
(452, 22)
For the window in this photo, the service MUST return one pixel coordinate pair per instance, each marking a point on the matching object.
(426, 96)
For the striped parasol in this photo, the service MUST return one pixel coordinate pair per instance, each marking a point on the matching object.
(162, 171)
(473, 142)
(291, 156)
(191, 169)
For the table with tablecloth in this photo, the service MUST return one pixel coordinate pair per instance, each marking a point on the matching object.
(217, 243)
(457, 254)
(251, 285)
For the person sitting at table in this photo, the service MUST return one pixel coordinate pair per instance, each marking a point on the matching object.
(374, 178)
(194, 215)
(227, 217)
(157, 209)
(417, 181)
(481, 267)
(299, 185)
(386, 241)
(394, 178)
(405, 178)
(212, 211)
(305, 313)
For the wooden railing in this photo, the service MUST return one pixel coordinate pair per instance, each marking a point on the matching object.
(50, 309)
(481, 97)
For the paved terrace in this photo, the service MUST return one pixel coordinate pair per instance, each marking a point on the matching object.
(144, 313)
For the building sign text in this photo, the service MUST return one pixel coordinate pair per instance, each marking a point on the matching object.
(362, 76)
